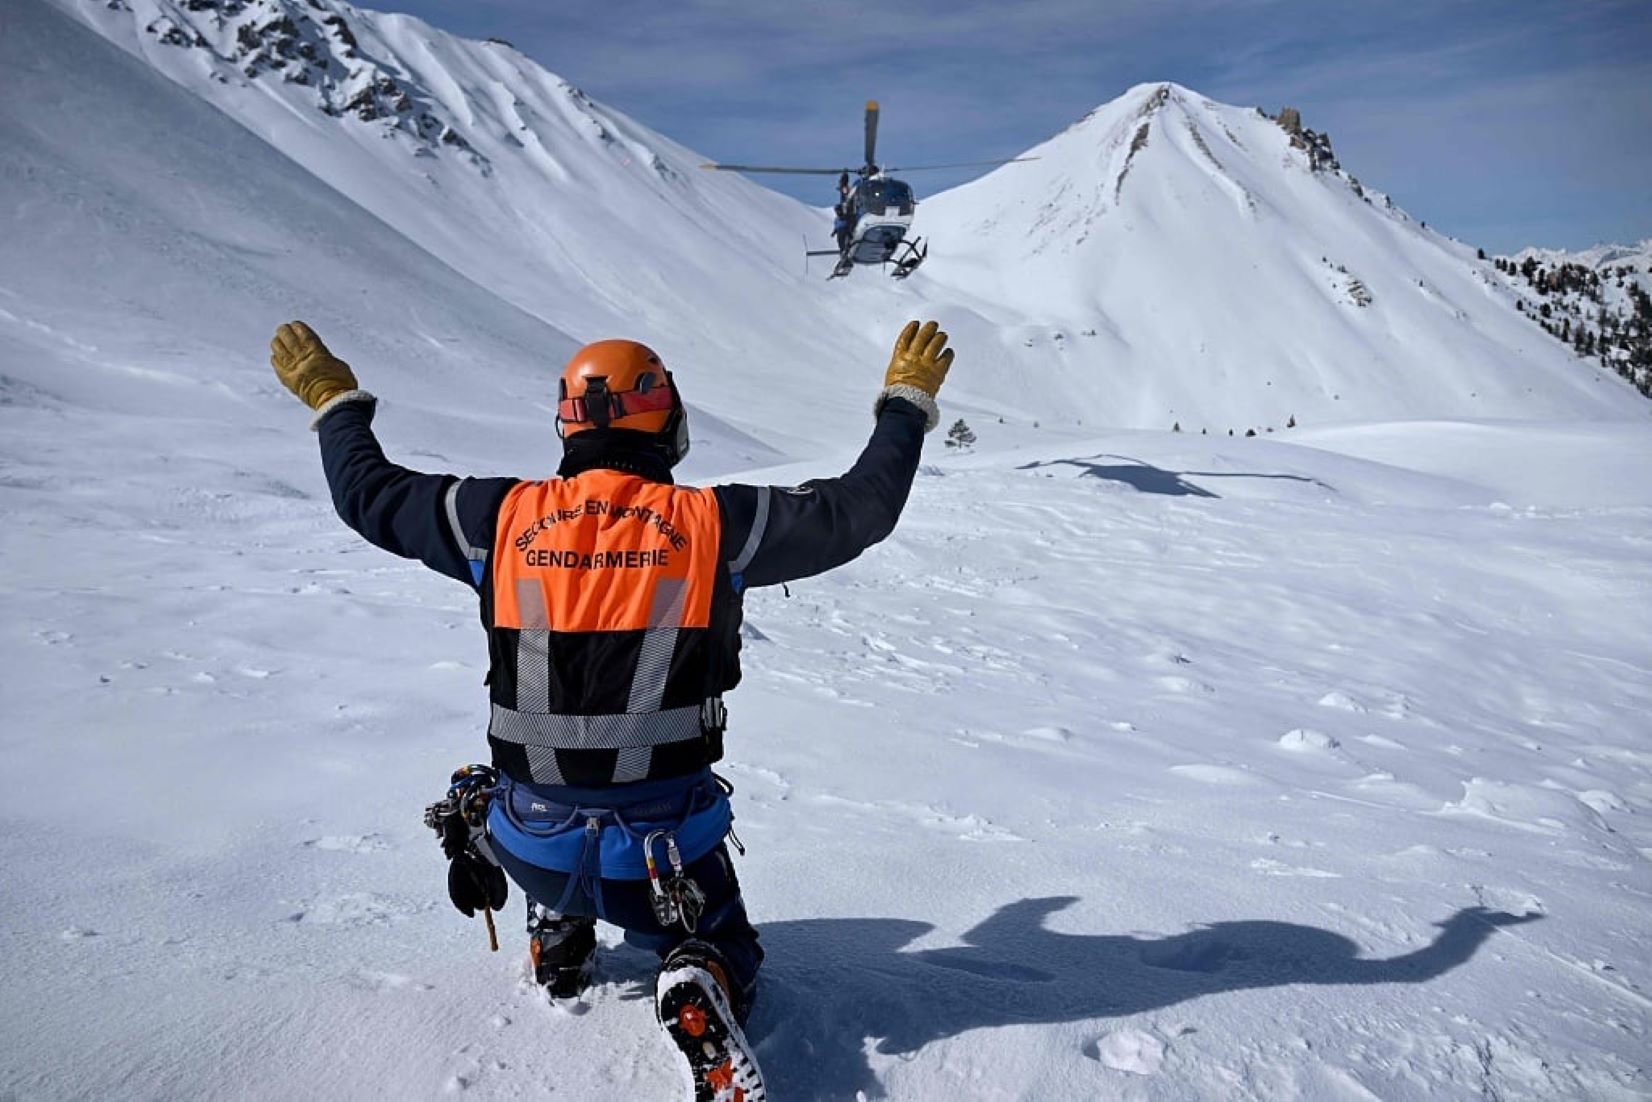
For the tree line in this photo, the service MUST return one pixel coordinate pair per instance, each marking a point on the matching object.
(1573, 303)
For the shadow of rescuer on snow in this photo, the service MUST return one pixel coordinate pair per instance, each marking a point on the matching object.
(612, 603)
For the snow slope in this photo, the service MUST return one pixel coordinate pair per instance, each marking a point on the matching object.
(1134, 765)
(521, 183)
(149, 238)
(1166, 259)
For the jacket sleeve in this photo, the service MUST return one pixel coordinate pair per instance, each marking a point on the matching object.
(775, 534)
(440, 519)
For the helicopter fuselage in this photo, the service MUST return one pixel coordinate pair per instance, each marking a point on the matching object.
(874, 214)
(881, 210)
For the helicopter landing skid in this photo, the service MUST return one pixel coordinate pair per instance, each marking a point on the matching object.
(844, 266)
(908, 263)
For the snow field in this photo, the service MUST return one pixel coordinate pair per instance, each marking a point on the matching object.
(1239, 695)
(1071, 789)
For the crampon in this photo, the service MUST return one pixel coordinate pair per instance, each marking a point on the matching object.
(695, 1012)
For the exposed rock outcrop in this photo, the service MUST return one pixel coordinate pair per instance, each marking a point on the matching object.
(310, 44)
(1315, 144)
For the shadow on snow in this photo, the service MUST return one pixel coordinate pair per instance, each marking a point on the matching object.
(832, 985)
(1149, 479)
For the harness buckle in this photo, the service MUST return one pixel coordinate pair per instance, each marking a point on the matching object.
(713, 715)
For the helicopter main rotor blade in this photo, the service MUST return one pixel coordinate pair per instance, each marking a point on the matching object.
(871, 131)
(957, 164)
(772, 168)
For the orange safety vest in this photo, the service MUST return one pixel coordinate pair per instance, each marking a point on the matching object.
(610, 630)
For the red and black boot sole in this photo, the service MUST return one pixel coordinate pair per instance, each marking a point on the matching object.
(697, 1017)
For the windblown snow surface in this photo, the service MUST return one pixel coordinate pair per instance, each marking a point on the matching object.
(1133, 765)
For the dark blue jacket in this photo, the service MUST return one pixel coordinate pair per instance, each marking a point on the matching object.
(805, 529)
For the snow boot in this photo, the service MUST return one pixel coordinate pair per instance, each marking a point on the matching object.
(562, 952)
(691, 997)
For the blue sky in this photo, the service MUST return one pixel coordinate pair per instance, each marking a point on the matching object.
(1502, 123)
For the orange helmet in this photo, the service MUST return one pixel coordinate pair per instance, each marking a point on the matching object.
(619, 384)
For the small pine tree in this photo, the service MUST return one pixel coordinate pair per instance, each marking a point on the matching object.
(1177, 427)
(960, 435)
(1291, 424)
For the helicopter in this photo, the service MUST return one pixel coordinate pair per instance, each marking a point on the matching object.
(874, 212)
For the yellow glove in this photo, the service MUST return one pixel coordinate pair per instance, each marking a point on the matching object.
(917, 369)
(306, 368)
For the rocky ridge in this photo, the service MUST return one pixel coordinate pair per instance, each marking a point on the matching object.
(309, 44)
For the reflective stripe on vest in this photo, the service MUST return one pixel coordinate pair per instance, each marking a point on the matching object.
(584, 568)
(610, 732)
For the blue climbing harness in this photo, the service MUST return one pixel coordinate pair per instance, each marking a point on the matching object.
(589, 835)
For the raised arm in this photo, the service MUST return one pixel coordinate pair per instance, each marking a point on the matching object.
(434, 518)
(776, 534)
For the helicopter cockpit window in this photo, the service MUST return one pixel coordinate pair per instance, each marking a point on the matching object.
(886, 197)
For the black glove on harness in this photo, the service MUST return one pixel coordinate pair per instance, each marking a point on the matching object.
(475, 882)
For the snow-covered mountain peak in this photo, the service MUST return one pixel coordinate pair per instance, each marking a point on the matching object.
(1173, 259)
(1081, 173)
